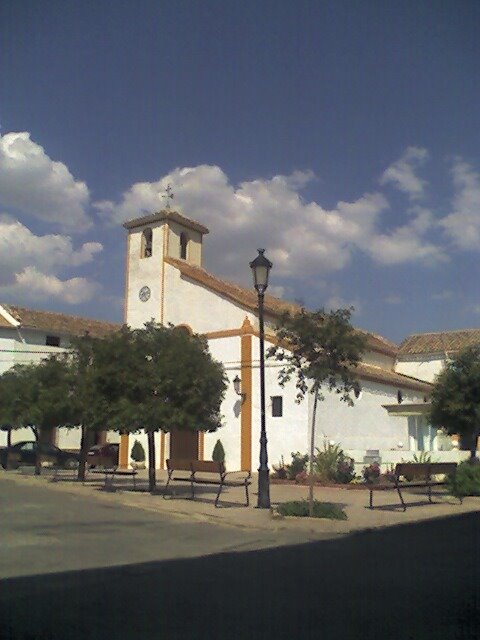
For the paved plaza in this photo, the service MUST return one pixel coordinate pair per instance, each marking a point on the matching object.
(79, 562)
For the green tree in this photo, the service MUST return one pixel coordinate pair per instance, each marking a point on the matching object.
(456, 398)
(90, 404)
(321, 350)
(160, 378)
(36, 396)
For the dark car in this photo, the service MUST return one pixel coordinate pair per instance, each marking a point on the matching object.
(103, 455)
(24, 453)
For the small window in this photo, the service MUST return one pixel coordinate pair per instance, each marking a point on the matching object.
(183, 246)
(52, 341)
(277, 406)
(147, 243)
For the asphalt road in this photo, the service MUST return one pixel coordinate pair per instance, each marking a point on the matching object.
(411, 582)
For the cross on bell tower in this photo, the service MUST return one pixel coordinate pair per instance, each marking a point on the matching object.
(167, 196)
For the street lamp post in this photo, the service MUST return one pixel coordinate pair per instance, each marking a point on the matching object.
(260, 269)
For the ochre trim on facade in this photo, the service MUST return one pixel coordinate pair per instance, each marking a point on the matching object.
(123, 452)
(185, 326)
(224, 333)
(201, 445)
(246, 409)
(162, 450)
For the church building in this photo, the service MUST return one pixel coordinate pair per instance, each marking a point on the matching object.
(165, 280)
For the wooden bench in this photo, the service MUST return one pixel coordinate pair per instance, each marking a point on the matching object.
(421, 475)
(112, 472)
(206, 472)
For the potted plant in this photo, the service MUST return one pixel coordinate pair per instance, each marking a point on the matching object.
(138, 455)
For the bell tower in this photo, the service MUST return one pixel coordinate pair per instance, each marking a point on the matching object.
(150, 239)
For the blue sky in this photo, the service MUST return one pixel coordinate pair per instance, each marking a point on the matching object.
(342, 136)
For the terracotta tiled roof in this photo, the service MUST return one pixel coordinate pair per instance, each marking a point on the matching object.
(273, 306)
(441, 342)
(4, 322)
(166, 215)
(59, 323)
(377, 374)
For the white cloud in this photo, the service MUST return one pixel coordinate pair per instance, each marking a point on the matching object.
(401, 173)
(405, 244)
(463, 224)
(32, 285)
(34, 184)
(30, 264)
(19, 248)
(303, 239)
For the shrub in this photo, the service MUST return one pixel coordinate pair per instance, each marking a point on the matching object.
(138, 452)
(345, 471)
(466, 481)
(280, 471)
(332, 465)
(300, 508)
(424, 457)
(302, 477)
(218, 453)
(371, 472)
(297, 465)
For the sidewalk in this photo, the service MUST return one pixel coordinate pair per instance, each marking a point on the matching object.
(232, 512)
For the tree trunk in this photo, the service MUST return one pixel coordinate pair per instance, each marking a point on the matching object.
(38, 458)
(311, 479)
(9, 437)
(473, 447)
(152, 480)
(84, 447)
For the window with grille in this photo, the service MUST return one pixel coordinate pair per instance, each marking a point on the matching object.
(277, 406)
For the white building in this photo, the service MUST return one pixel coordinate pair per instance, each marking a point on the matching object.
(28, 336)
(165, 280)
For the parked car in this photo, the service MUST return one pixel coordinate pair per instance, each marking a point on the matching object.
(103, 455)
(24, 453)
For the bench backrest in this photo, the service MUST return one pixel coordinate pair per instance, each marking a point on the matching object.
(424, 469)
(208, 466)
(182, 464)
(195, 466)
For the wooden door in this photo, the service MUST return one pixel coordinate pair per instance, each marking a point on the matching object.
(184, 445)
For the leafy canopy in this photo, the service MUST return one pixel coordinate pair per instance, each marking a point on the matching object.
(160, 378)
(36, 395)
(320, 349)
(456, 395)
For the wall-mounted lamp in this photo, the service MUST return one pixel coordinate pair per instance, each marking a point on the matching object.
(237, 385)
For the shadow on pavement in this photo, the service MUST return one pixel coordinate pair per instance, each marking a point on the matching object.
(409, 582)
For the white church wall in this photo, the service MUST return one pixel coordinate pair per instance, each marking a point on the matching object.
(69, 438)
(285, 434)
(366, 425)
(144, 272)
(188, 302)
(379, 359)
(227, 350)
(425, 367)
(194, 246)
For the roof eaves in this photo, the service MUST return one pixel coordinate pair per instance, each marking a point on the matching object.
(10, 320)
(273, 306)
